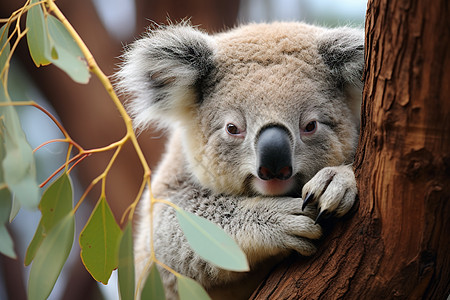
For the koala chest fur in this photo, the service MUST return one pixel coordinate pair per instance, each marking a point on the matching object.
(264, 122)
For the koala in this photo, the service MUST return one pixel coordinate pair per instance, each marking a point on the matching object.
(263, 122)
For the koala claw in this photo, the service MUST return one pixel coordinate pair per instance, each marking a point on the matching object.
(333, 189)
(323, 214)
(309, 197)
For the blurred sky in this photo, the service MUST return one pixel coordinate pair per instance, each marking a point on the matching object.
(330, 12)
(118, 15)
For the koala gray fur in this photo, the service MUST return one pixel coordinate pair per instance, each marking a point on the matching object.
(219, 95)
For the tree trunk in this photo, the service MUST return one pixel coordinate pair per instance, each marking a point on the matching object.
(397, 244)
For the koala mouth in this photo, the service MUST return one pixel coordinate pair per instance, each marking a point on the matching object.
(273, 187)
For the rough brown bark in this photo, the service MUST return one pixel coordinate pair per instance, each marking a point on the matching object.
(397, 244)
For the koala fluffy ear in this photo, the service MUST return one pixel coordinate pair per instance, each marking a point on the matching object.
(162, 71)
(342, 50)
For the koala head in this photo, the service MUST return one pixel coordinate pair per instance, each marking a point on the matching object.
(260, 109)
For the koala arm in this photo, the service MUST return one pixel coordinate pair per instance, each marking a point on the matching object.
(262, 227)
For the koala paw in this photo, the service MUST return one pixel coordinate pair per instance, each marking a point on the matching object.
(276, 224)
(297, 230)
(333, 189)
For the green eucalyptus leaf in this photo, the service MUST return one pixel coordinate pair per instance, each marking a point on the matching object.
(5, 206)
(189, 289)
(50, 42)
(56, 202)
(6, 199)
(14, 210)
(18, 165)
(50, 258)
(6, 243)
(37, 35)
(62, 37)
(67, 55)
(211, 242)
(20, 172)
(153, 287)
(34, 244)
(99, 242)
(126, 265)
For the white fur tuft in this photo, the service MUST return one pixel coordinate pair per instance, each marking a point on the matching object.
(343, 52)
(160, 71)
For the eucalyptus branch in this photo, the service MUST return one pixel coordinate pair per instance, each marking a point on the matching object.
(95, 69)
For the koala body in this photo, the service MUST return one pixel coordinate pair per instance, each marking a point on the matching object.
(259, 117)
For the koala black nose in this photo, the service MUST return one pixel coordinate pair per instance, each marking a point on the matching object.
(273, 150)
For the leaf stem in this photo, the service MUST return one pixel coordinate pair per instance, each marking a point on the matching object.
(95, 69)
(174, 206)
(108, 168)
(59, 170)
(50, 142)
(77, 162)
(168, 268)
(131, 208)
(54, 120)
(86, 192)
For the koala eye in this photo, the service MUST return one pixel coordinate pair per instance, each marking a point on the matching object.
(310, 128)
(232, 129)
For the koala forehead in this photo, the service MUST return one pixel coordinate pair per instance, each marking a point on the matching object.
(267, 44)
(271, 71)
